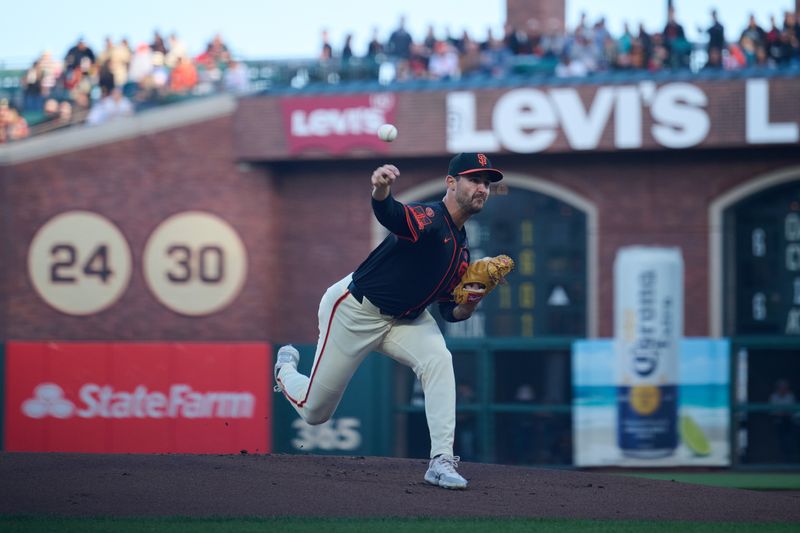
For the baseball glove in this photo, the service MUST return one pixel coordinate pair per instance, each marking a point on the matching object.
(481, 278)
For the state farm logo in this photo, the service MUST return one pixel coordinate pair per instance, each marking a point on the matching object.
(48, 399)
(96, 401)
(331, 117)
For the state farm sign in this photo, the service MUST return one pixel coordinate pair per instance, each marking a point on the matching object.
(137, 398)
(337, 124)
(104, 401)
(674, 115)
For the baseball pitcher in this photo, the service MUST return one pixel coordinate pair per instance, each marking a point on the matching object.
(382, 306)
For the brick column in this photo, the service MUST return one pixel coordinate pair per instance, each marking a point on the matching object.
(518, 12)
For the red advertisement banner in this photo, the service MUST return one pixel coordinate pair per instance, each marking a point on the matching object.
(138, 398)
(337, 124)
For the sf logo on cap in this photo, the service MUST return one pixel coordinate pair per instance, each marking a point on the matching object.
(482, 160)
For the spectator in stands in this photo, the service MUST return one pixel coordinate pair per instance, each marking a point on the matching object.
(118, 57)
(496, 60)
(571, 68)
(716, 36)
(110, 107)
(5, 120)
(105, 78)
(675, 43)
(714, 61)
(158, 46)
(553, 40)
(486, 43)
(791, 23)
(470, 61)
(462, 43)
(237, 77)
(603, 45)
(79, 55)
(56, 115)
(78, 86)
(466, 434)
(12, 125)
(580, 49)
(65, 112)
(51, 71)
(792, 27)
(183, 77)
(645, 47)
(749, 48)
(51, 113)
(375, 47)
(160, 76)
(347, 50)
(176, 49)
(527, 438)
(773, 41)
(399, 44)
(417, 62)
(625, 41)
(141, 66)
(519, 42)
(219, 50)
(789, 48)
(755, 34)
(782, 398)
(430, 39)
(32, 87)
(660, 55)
(326, 51)
(443, 64)
(50, 109)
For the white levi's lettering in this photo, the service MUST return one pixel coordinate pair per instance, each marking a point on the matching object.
(341, 122)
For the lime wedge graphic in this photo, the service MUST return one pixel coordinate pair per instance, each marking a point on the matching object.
(693, 436)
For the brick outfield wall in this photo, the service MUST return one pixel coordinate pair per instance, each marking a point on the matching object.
(137, 183)
(306, 224)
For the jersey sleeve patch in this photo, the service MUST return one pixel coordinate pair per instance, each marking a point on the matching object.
(422, 215)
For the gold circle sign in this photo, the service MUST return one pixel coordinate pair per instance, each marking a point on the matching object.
(195, 263)
(79, 262)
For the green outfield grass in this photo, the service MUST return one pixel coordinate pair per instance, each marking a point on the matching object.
(734, 480)
(301, 525)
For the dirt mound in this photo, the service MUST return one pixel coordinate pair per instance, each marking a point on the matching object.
(274, 485)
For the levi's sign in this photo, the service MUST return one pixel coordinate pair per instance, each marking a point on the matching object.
(337, 124)
(673, 115)
(137, 398)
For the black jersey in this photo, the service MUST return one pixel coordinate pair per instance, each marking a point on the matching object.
(420, 262)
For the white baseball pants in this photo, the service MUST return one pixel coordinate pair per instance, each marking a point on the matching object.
(348, 332)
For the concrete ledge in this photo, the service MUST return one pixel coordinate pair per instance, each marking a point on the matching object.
(84, 136)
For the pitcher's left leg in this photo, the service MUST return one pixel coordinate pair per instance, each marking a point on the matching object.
(419, 344)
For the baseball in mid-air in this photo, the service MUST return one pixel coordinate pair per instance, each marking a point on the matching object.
(387, 132)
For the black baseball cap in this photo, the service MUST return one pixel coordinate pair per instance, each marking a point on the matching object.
(470, 163)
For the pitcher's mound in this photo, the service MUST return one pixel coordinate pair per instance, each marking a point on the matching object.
(274, 485)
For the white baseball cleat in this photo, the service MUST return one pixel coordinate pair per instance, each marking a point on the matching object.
(442, 472)
(287, 355)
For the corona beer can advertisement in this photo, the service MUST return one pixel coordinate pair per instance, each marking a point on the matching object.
(688, 425)
(648, 324)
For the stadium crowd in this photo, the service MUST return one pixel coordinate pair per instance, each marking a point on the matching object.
(586, 49)
(97, 87)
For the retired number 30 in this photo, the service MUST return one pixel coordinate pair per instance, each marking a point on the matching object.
(206, 262)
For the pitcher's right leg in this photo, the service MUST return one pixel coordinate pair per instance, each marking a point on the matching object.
(348, 332)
